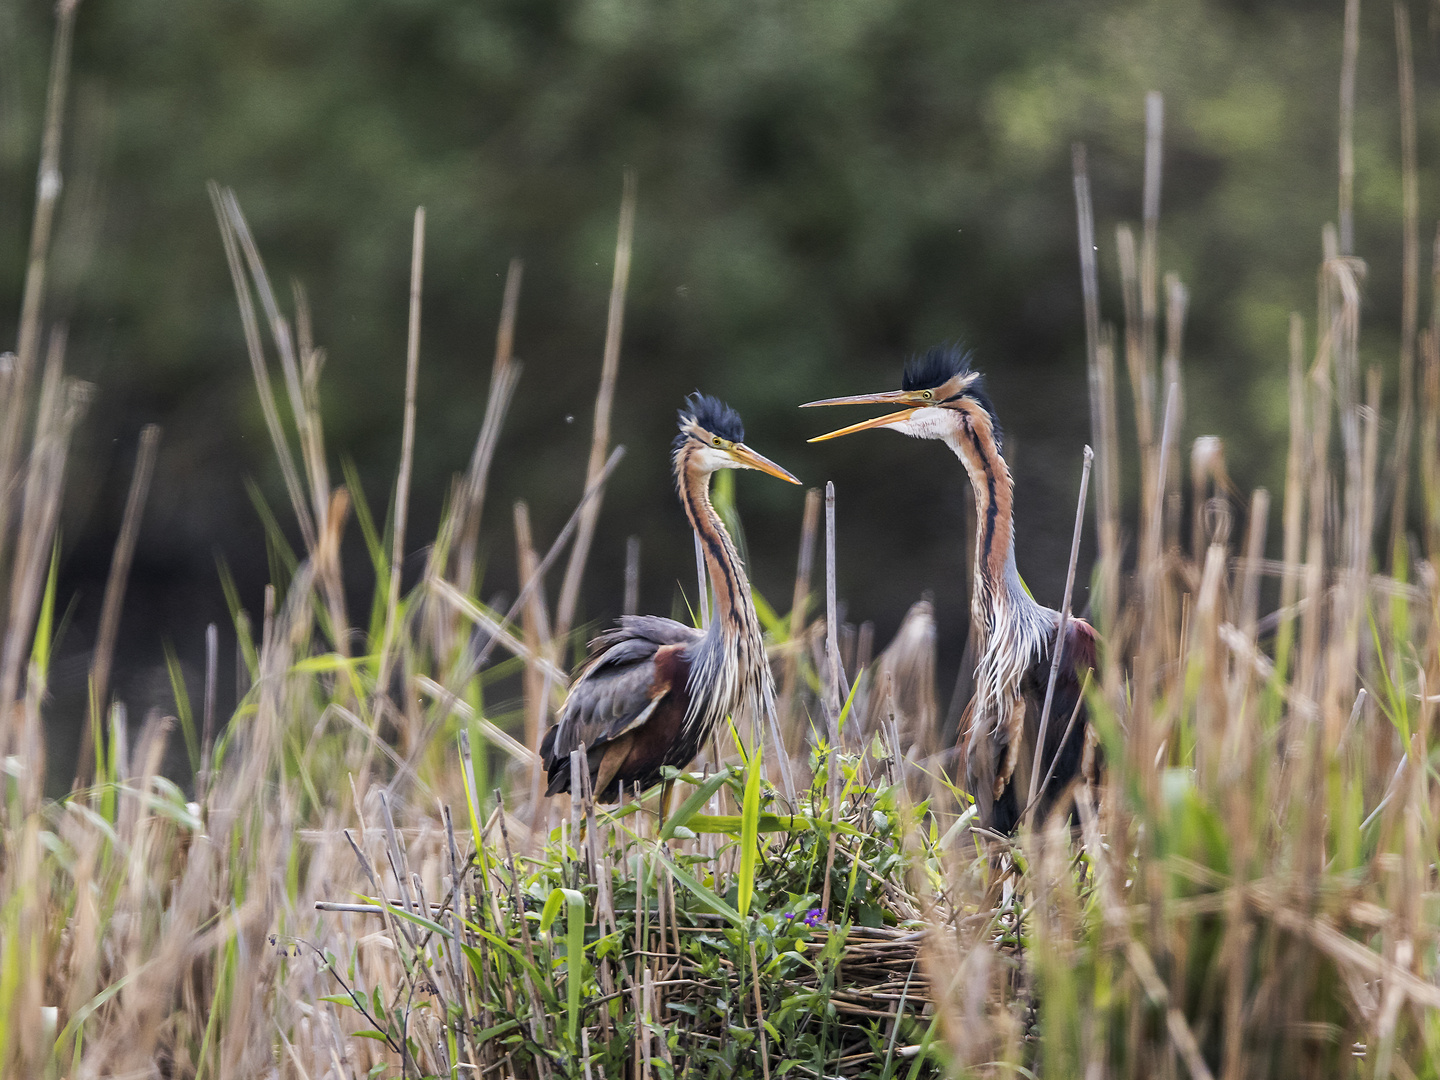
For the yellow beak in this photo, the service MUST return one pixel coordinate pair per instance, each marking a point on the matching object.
(749, 459)
(890, 397)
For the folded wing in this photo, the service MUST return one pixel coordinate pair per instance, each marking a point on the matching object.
(635, 678)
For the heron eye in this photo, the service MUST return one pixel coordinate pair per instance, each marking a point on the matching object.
(927, 395)
(717, 440)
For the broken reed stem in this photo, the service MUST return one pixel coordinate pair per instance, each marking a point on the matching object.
(120, 561)
(604, 399)
(1410, 282)
(1058, 649)
(48, 183)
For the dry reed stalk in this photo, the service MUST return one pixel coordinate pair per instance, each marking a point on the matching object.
(1060, 634)
(504, 376)
(1150, 238)
(48, 184)
(1209, 484)
(833, 677)
(232, 229)
(591, 492)
(1318, 458)
(1295, 471)
(799, 602)
(1344, 275)
(1349, 57)
(120, 562)
(1237, 748)
(631, 603)
(1137, 362)
(604, 400)
(1177, 303)
(407, 464)
(535, 626)
(312, 451)
(331, 506)
(836, 689)
(448, 695)
(1409, 281)
(1102, 401)
(901, 690)
(1430, 441)
(207, 717)
(62, 403)
(1146, 731)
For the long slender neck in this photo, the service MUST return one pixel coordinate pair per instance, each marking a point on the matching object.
(734, 609)
(998, 592)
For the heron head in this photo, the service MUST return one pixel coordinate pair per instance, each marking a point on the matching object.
(939, 392)
(713, 434)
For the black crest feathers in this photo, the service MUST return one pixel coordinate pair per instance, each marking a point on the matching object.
(934, 367)
(937, 366)
(713, 415)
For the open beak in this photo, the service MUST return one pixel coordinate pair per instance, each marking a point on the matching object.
(890, 397)
(748, 458)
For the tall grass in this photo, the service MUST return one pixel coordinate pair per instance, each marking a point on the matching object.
(365, 880)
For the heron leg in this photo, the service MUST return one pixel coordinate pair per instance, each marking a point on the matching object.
(667, 789)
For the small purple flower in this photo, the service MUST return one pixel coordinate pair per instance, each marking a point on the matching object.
(814, 917)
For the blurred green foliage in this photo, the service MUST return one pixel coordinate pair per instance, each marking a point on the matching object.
(824, 187)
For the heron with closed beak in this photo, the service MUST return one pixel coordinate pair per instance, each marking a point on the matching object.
(653, 689)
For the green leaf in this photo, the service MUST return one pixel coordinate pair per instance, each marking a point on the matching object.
(328, 663)
(691, 806)
(482, 1037)
(45, 624)
(750, 830)
(419, 920)
(574, 903)
(705, 895)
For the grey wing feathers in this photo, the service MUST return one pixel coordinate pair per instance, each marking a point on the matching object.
(615, 690)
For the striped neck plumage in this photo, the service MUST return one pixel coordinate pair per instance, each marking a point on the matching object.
(999, 596)
(729, 661)
(734, 615)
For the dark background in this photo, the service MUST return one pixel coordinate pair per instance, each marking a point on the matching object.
(823, 189)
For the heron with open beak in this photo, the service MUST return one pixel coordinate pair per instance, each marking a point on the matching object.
(942, 398)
